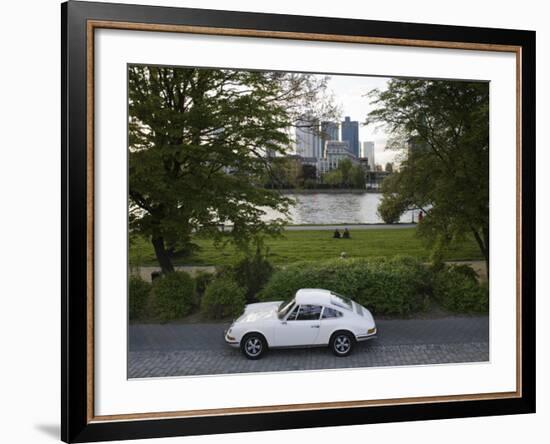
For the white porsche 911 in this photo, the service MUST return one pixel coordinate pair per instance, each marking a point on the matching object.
(314, 317)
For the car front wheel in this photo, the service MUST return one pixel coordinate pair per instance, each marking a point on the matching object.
(341, 344)
(253, 346)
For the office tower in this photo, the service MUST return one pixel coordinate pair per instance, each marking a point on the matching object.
(350, 134)
(368, 152)
(329, 131)
(308, 140)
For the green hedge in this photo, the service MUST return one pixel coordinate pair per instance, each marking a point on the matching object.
(138, 297)
(252, 273)
(223, 298)
(457, 289)
(396, 286)
(173, 296)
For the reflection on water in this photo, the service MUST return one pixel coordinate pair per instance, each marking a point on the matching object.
(334, 208)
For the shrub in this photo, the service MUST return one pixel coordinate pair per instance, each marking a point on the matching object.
(391, 207)
(202, 279)
(396, 286)
(252, 273)
(173, 295)
(223, 298)
(457, 289)
(138, 296)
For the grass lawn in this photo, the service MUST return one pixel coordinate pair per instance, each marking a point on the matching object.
(295, 246)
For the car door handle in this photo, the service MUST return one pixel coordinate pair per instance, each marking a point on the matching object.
(314, 326)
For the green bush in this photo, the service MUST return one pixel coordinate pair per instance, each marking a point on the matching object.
(396, 286)
(138, 297)
(173, 295)
(252, 273)
(202, 279)
(223, 298)
(457, 289)
(391, 207)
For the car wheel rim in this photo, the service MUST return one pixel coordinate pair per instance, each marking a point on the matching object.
(342, 344)
(253, 346)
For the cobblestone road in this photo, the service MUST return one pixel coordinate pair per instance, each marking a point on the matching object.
(199, 349)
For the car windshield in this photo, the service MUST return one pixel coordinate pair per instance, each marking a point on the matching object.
(285, 307)
(341, 301)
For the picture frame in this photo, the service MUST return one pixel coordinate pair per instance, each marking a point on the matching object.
(80, 20)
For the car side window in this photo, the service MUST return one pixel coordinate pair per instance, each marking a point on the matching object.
(331, 313)
(309, 313)
(293, 314)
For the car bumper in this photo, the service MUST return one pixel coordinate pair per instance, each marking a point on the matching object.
(368, 336)
(230, 341)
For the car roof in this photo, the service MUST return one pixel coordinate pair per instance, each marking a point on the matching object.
(314, 296)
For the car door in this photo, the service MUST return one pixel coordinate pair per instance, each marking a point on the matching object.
(301, 327)
(331, 320)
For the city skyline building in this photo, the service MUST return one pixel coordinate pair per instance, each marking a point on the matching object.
(312, 137)
(350, 134)
(330, 131)
(335, 151)
(308, 139)
(368, 152)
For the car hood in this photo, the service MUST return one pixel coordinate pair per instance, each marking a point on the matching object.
(259, 311)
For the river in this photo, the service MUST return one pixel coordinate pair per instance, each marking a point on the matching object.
(335, 208)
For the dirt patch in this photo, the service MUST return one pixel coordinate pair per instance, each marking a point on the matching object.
(478, 266)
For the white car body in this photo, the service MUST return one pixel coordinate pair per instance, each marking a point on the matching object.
(294, 329)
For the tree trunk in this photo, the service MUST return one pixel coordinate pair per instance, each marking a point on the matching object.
(163, 257)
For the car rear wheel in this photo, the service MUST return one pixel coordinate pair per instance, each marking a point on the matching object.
(341, 344)
(253, 346)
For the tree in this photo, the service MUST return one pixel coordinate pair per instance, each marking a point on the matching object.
(357, 177)
(198, 144)
(389, 167)
(346, 175)
(309, 172)
(446, 172)
(333, 178)
(345, 167)
(308, 176)
(282, 173)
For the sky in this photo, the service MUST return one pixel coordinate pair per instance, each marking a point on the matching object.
(349, 93)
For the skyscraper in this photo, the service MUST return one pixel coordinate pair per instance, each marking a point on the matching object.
(350, 134)
(368, 152)
(329, 131)
(308, 141)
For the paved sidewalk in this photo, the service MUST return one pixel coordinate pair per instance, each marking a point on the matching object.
(198, 349)
(350, 227)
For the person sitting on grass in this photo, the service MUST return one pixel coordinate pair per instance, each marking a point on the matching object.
(346, 234)
(336, 234)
